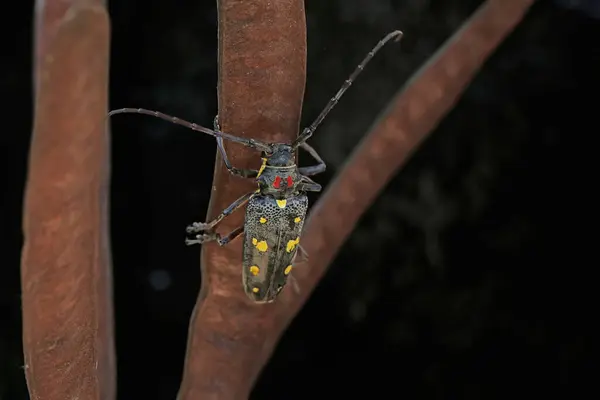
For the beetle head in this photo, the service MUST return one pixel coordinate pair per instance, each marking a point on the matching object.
(281, 155)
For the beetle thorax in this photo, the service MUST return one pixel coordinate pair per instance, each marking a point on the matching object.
(278, 181)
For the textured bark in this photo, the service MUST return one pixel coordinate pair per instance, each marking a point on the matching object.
(262, 72)
(65, 270)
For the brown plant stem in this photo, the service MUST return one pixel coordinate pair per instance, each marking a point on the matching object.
(262, 62)
(65, 267)
(261, 65)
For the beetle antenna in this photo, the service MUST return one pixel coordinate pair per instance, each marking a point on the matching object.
(307, 132)
(255, 144)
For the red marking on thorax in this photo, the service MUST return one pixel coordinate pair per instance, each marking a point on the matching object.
(277, 182)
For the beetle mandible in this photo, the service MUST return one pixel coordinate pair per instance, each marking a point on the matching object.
(276, 211)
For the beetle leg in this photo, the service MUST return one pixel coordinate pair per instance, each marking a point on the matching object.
(304, 253)
(299, 259)
(244, 173)
(294, 283)
(313, 169)
(309, 187)
(231, 236)
(203, 238)
(214, 236)
(291, 279)
(204, 226)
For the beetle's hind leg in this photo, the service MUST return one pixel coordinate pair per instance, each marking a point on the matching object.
(205, 226)
(304, 258)
(214, 236)
(295, 284)
(304, 255)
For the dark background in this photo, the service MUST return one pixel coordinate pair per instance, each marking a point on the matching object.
(471, 275)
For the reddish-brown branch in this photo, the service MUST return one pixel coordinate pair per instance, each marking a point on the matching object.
(262, 59)
(262, 66)
(65, 270)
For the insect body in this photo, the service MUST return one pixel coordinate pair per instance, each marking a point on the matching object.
(272, 233)
(273, 223)
(276, 211)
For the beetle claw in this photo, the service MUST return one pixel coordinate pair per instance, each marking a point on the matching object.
(200, 239)
(197, 227)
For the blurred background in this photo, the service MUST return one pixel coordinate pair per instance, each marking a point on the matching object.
(467, 278)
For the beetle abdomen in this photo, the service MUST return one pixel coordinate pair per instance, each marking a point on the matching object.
(271, 237)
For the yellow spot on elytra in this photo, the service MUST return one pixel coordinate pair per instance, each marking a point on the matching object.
(255, 290)
(281, 203)
(297, 219)
(263, 220)
(291, 245)
(261, 246)
(287, 270)
(254, 241)
(262, 167)
(254, 270)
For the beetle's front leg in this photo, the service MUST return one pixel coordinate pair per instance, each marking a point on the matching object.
(214, 236)
(205, 226)
(244, 173)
